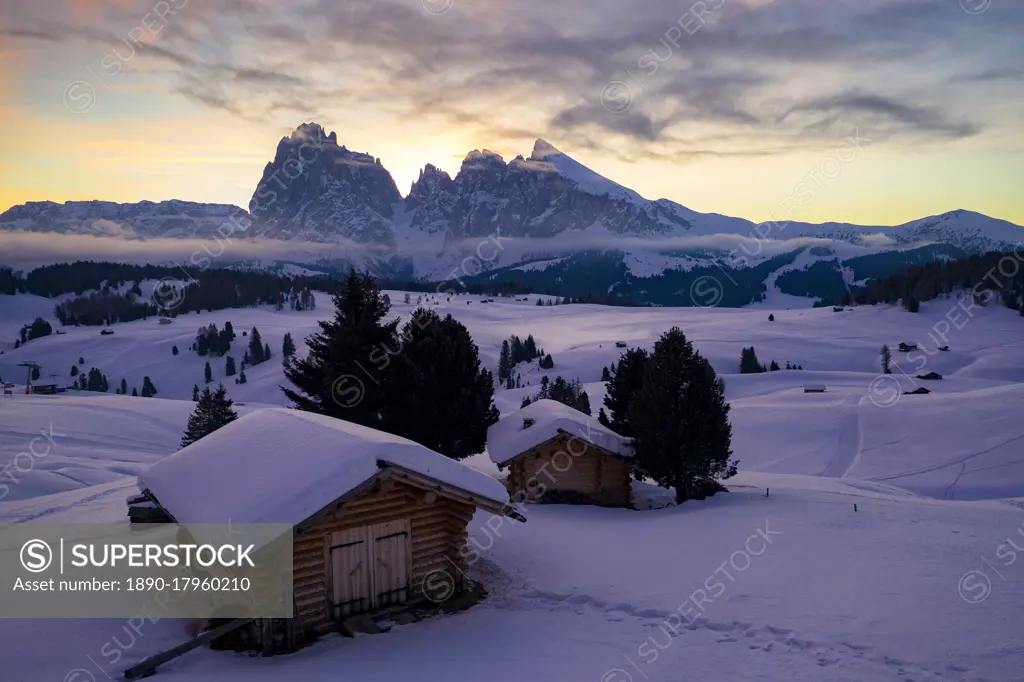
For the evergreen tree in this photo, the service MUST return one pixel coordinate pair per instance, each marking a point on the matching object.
(74, 370)
(208, 372)
(124, 387)
(605, 374)
(749, 363)
(525, 401)
(911, 304)
(174, 350)
(680, 420)
(627, 380)
(266, 352)
(504, 363)
(774, 367)
(437, 392)
(229, 330)
(255, 346)
(241, 377)
(540, 302)
(322, 381)
(81, 361)
(287, 346)
(135, 392)
(516, 353)
(195, 392)
(547, 362)
(602, 418)
(213, 410)
(529, 348)
(229, 367)
(886, 359)
(771, 318)
(148, 389)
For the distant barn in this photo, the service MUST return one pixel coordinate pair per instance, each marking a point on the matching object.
(555, 454)
(814, 388)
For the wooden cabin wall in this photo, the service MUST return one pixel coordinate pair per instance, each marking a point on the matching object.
(592, 473)
(438, 534)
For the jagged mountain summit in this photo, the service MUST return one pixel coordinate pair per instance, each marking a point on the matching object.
(317, 190)
(545, 207)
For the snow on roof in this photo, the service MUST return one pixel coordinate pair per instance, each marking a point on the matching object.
(282, 466)
(508, 438)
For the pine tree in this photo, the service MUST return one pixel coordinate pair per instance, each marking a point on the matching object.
(74, 370)
(504, 363)
(886, 359)
(627, 380)
(540, 302)
(749, 363)
(135, 392)
(680, 419)
(195, 393)
(407, 299)
(208, 372)
(229, 330)
(602, 418)
(771, 318)
(605, 374)
(255, 346)
(81, 361)
(323, 381)
(229, 367)
(287, 346)
(266, 352)
(529, 348)
(437, 392)
(242, 378)
(213, 410)
(174, 350)
(148, 389)
(124, 387)
(516, 354)
(774, 367)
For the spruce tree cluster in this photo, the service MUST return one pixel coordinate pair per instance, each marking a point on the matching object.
(95, 380)
(148, 389)
(680, 420)
(213, 410)
(672, 404)
(211, 341)
(749, 363)
(886, 359)
(427, 383)
(513, 351)
(569, 393)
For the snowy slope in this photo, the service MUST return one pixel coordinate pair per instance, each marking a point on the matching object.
(795, 586)
(916, 584)
(776, 427)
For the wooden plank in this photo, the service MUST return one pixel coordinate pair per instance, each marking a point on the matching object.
(148, 666)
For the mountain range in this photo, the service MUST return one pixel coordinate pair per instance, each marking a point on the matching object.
(545, 220)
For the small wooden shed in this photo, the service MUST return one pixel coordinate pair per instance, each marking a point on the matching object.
(374, 515)
(555, 453)
(814, 388)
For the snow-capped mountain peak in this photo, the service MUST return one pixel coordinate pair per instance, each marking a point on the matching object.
(586, 179)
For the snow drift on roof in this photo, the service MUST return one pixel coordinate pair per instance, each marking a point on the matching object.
(282, 466)
(508, 438)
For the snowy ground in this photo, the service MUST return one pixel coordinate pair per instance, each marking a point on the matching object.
(917, 584)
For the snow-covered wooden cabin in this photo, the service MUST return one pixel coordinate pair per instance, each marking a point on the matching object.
(373, 514)
(555, 452)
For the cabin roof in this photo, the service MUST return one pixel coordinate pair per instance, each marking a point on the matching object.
(283, 466)
(507, 439)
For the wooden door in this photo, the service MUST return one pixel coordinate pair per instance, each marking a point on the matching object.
(370, 567)
(391, 548)
(351, 574)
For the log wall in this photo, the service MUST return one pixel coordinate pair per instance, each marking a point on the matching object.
(554, 467)
(438, 534)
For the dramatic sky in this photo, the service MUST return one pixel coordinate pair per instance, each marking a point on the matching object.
(896, 109)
